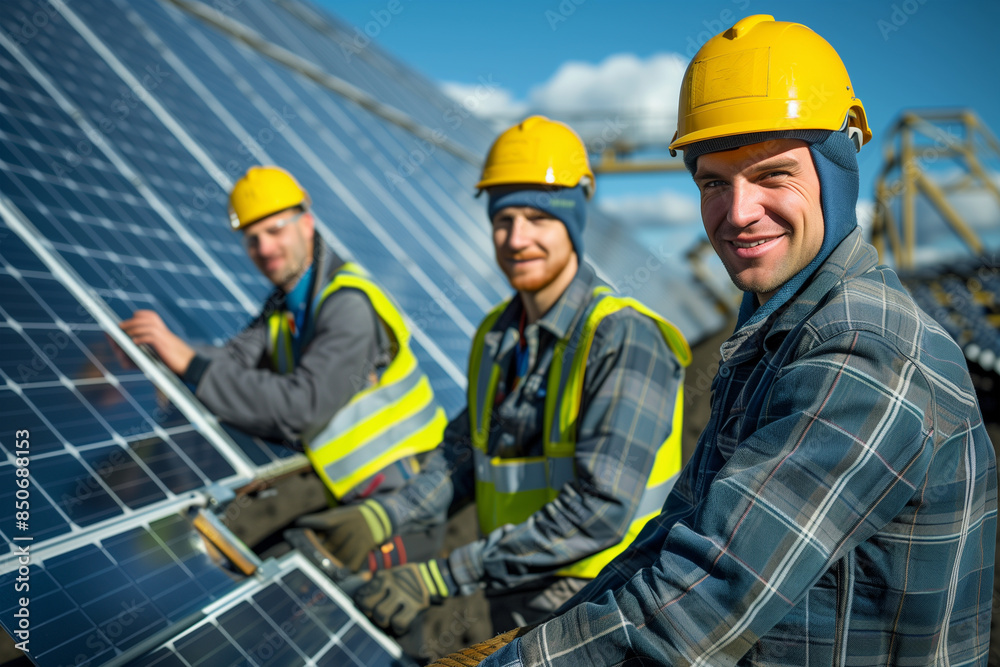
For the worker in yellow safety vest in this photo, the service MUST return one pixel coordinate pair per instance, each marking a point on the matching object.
(326, 366)
(571, 438)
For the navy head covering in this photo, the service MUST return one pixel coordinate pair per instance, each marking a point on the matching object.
(836, 163)
(568, 205)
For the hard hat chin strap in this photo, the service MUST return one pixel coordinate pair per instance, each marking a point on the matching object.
(855, 134)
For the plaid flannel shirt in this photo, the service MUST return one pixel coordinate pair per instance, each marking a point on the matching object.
(629, 390)
(840, 508)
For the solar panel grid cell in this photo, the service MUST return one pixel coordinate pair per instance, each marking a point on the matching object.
(209, 646)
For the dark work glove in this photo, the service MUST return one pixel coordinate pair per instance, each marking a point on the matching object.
(350, 532)
(394, 597)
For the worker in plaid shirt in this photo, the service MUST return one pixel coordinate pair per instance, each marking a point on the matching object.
(571, 437)
(840, 508)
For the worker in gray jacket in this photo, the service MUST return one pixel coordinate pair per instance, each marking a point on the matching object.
(326, 359)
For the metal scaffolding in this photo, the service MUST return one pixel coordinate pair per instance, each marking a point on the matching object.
(918, 140)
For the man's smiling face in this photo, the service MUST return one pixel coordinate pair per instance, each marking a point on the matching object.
(761, 208)
(533, 249)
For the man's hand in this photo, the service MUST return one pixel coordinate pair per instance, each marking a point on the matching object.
(393, 598)
(147, 328)
(351, 532)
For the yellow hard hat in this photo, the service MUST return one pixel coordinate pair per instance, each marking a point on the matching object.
(763, 75)
(264, 191)
(538, 151)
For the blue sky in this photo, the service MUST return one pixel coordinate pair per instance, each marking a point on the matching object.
(900, 54)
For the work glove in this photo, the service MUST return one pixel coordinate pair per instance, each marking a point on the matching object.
(475, 654)
(349, 533)
(394, 597)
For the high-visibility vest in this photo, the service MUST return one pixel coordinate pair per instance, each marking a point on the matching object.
(509, 490)
(394, 418)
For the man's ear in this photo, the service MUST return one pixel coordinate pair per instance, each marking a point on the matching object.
(308, 223)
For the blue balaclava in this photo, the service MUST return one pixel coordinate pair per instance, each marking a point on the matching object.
(569, 205)
(837, 167)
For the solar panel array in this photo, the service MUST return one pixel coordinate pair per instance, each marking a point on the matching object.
(123, 124)
(104, 441)
(964, 297)
(93, 601)
(294, 617)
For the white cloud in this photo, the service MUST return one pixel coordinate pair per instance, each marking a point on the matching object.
(642, 94)
(623, 98)
(980, 209)
(662, 209)
(492, 103)
(865, 210)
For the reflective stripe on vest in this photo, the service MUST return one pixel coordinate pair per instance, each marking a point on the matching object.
(279, 325)
(395, 418)
(509, 490)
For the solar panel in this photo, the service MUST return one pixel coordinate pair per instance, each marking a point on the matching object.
(155, 267)
(291, 616)
(335, 184)
(93, 601)
(104, 441)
